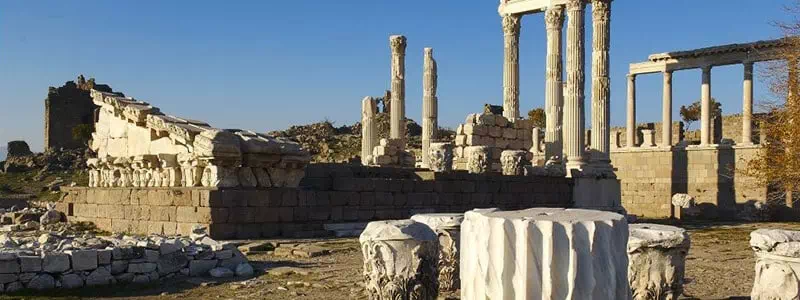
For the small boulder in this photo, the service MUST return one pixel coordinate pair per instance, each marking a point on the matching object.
(42, 282)
(244, 270)
(221, 273)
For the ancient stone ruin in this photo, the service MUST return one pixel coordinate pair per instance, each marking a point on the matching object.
(68, 107)
(138, 146)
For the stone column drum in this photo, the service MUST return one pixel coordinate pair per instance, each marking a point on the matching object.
(430, 106)
(400, 260)
(397, 118)
(777, 264)
(657, 261)
(441, 157)
(513, 162)
(544, 253)
(747, 105)
(448, 228)
(369, 130)
(479, 159)
(601, 86)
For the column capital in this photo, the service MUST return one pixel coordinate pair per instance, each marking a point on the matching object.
(573, 5)
(601, 9)
(398, 43)
(631, 77)
(667, 74)
(554, 17)
(511, 24)
(706, 69)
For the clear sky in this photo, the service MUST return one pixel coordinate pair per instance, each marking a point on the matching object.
(266, 65)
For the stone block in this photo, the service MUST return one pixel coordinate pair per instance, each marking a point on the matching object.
(71, 281)
(104, 257)
(145, 267)
(55, 262)
(30, 263)
(119, 266)
(99, 276)
(83, 260)
(201, 267)
(42, 282)
(171, 263)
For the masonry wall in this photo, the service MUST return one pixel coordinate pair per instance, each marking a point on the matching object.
(65, 108)
(713, 176)
(329, 193)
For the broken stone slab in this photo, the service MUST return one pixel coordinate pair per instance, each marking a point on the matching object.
(400, 260)
(777, 264)
(448, 228)
(521, 254)
(256, 247)
(657, 261)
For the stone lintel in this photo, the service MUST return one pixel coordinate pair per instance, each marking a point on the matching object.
(513, 7)
(685, 62)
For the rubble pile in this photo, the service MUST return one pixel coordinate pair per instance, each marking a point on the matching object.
(62, 258)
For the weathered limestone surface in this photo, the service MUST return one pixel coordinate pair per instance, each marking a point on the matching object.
(392, 152)
(138, 146)
(398, 104)
(478, 158)
(543, 253)
(369, 129)
(494, 131)
(400, 260)
(430, 106)
(511, 28)
(514, 162)
(441, 157)
(448, 228)
(657, 261)
(777, 264)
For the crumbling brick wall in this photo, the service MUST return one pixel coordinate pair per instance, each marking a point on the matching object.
(65, 108)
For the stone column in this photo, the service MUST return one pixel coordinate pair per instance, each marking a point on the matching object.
(544, 253)
(705, 108)
(747, 105)
(666, 111)
(398, 110)
(441, 157)
(777, 264)
(430, 106)
(601, 86)
(369, 130)
(448, 228)
(574, 115)
(511, 27)
(657, 261)
(400, 260)
(554, 101)
(630, 130)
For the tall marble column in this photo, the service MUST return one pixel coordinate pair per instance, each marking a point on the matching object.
(430, 106)
(601, 85)
(511, 27)
(705, 108)
(630, 130)
(554, 102)
(666, 111)
(398, 103)
(747, 105)
(369, 130)
(576, 77)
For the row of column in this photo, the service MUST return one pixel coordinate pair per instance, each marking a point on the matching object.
(564, 104)
(705, 112)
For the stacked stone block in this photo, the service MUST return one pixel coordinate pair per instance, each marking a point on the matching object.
(330, 193)
(126, 261)
(392, 153)
(493, 131)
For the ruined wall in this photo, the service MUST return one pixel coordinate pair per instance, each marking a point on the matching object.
(329, 193)
(493, 131)
(67, 107)
(712, 175)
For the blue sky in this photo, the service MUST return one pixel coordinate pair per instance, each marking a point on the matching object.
(266, 65)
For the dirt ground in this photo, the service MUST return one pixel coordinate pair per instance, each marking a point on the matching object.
(719, 266)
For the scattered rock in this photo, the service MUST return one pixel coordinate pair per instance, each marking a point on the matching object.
(221, 273)
(244, 270)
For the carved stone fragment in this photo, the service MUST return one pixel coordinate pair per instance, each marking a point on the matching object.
(514, 162)
(448, 228)
(478, 159)
(657, 261)
(441, 157)
(777, 264)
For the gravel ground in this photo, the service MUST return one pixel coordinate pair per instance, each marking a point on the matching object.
(720, 266)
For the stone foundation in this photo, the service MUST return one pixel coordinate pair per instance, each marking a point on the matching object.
(329, 193)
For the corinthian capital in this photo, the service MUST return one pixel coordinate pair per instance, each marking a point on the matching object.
(554, 17)
(511, 24)
(576, 4)
(601, 9)
(397, 43)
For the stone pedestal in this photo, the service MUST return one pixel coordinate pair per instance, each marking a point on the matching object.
(777, 264)
(400, 260)
(513, 162)
(448, 228)
(656, 261)
(648, 138)
(597, 193)
(478, 159)
(441, 157)
(544, 253)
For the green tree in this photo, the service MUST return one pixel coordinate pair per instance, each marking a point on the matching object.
(538, 117)
(692, 113)
(82, 133)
